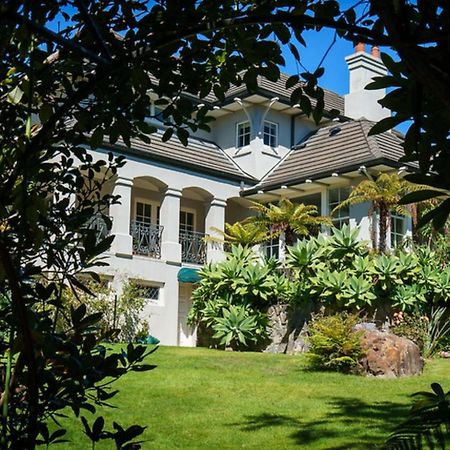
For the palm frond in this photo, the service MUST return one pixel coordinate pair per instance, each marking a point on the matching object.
(246, 234)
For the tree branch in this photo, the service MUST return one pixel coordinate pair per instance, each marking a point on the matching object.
(93, 27)
(20, 309)
(18, 19)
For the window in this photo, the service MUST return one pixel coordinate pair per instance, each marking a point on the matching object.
(150, 293)
(272, 248)
(186, 221)
(270, 133)
(143, 212)
(397, 230)
(243, 134)
(342, 215)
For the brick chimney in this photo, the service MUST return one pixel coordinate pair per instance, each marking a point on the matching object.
(363, 67)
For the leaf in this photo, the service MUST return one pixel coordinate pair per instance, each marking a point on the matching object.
(438, 215)
(292, 81)
(419, 196)
(167, 134)
(183, 136)
(282, 32)
(97, 138)
(45, 112)
(15, 95)
(386, 124)
(294, 52)
(319, 72)
(296, 95)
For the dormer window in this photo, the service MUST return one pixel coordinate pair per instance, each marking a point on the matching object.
(270, 133)
(243, 134)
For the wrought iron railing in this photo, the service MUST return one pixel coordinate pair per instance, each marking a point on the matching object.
(146, 238)
(193, 247)
(98, 223)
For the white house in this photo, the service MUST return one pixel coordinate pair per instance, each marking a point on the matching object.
(260, 148)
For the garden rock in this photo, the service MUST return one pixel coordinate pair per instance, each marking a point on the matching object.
(388, 355)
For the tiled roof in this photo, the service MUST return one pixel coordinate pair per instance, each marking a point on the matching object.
(333, 149)
(278, 88)
(201, 155)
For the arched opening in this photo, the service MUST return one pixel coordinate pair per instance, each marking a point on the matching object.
(145, 228)
(194, 206)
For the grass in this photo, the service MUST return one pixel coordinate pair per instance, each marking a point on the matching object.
(207, 399)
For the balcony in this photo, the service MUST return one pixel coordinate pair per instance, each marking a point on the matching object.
(146, 239)
(193, 247)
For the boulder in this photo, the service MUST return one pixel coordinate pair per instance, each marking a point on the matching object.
(388, 355)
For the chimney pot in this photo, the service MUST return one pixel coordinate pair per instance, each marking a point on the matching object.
(375, 52)
(360, 47)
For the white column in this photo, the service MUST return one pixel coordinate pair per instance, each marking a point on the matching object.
(282, 247)
(170, 220)
(215, 217)
(121, 217)
(325, 208)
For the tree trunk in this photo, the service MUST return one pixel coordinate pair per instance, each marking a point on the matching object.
(289, 237)
(384, 225)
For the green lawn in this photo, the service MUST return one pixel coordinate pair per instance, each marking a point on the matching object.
(207, 399)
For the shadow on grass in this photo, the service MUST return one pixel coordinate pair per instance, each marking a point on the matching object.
(349, 423)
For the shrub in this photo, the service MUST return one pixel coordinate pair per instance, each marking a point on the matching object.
(335, 345)
(427, 331)
(233, 296)
(338, 272)
(412, 326)
(121, 316)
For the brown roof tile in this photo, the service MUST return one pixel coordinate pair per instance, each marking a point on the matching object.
(201, 155)
(278, 88)
(332, 149)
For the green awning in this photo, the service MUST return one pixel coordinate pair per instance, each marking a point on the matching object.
(188, 275)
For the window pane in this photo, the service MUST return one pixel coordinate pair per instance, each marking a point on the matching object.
(272, 248)
(270, 134)
(186, 221)
(336, 197)
(143, 212)
(243, 132)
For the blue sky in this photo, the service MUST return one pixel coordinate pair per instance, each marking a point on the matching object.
(336, 72)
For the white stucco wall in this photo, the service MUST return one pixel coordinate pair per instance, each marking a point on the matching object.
(163, 315)
(257, 159)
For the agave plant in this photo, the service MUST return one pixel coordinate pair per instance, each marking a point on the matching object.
(409, 298)
(238, 326)
(345, 244)
(386, 271)
(305, 256)
(358, 293)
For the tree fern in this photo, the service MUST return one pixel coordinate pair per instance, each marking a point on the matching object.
(428, 424)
